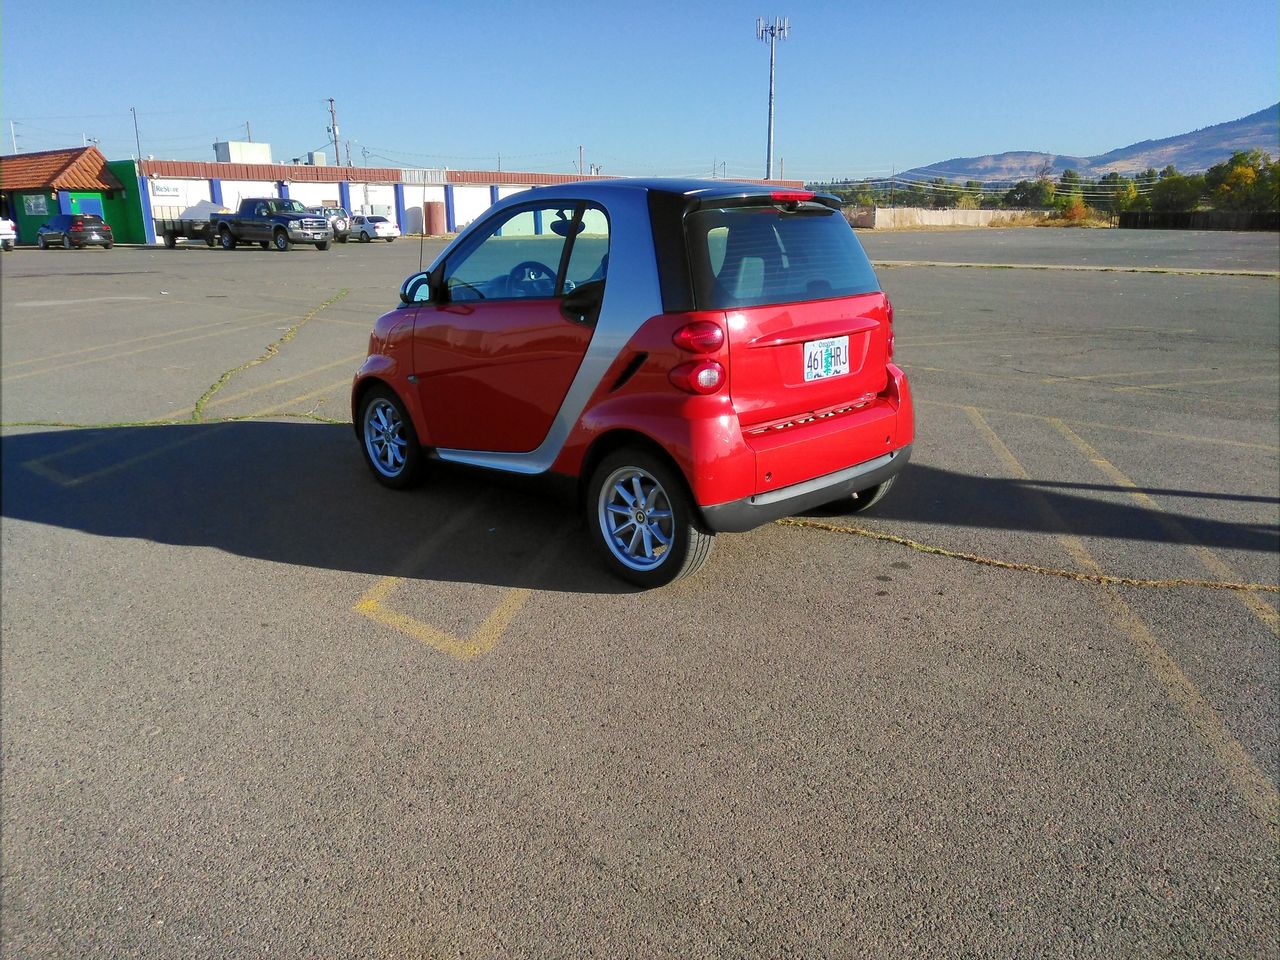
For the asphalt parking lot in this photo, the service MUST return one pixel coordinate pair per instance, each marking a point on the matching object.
(256, 705)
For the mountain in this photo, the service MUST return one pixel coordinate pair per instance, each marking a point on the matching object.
(1189, 152)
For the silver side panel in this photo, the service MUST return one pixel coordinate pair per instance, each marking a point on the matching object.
(631, 296)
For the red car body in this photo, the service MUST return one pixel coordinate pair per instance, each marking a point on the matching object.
(725, 405)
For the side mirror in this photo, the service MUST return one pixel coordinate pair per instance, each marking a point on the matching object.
(416, 289)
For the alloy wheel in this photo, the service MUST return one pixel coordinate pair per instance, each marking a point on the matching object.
(636, 518)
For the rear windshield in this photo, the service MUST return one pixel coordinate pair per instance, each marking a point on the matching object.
(747, 256)
(377, 219)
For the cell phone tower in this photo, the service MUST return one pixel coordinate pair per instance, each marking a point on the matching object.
(771, 33)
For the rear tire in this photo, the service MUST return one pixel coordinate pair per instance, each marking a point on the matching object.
(108, 245)
(170, 240)
(864, 500)
(264, 244)
(643, 520)
(66, 243)
(391, 239)
(364, 237)
(42, 243)
(280, 240)
(226, 240)
(388, 441)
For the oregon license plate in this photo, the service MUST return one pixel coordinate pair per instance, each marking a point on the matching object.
(826, 358)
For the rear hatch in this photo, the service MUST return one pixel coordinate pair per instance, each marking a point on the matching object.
(808, 328)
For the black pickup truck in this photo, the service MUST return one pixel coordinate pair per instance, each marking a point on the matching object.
(271, 222)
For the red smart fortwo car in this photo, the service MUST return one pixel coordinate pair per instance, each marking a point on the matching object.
(703, 357)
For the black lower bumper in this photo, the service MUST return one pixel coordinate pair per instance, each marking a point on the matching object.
(751, 512)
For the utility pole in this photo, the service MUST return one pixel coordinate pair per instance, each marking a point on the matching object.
(13, 136)
(579, 159)
(333, 129)
(136, 139)
(771, 33)
(248, 134)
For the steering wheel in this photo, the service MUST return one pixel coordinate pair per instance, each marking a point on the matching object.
(532, 279)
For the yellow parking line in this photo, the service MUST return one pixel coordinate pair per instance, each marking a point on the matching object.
(132, 353)
(485, 637)
(324, 391)
(1168, 435)
(41, 466)
(374, 603)
(221, 399)
(1196, 383)
(1254, 786)
(1117, 376)
(1208, 559)
(109, 346)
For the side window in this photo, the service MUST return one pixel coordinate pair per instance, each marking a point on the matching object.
(518, 257)
(589, 256)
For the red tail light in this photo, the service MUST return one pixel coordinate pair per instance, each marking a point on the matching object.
(77, 225)
(698, 376)
(106, 226)
(890, 314)
(701, 336)
(791, 196)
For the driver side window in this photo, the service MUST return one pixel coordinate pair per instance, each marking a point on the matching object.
(518, 258)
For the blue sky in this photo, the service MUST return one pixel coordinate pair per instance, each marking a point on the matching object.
(651, 89)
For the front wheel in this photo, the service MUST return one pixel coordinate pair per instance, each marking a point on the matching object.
(42, 243)
(280, 240)
(66, 243)
(322, 245)
(643, 520)
(388, 441)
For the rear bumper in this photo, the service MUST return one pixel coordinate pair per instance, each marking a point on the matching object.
(751, 512)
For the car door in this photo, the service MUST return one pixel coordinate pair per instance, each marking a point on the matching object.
(495, 359)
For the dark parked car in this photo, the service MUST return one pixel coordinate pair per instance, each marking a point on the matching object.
(74, 230)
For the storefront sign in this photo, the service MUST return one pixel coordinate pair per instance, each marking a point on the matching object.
(165, 189)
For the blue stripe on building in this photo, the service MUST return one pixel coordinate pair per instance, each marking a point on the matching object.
(215, 191)
(344, 195)
(400, 211)
(283, 189)
(537, 222)
(450, 222)
(64, 201)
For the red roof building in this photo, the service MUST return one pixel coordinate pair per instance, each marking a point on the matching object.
(80, 168)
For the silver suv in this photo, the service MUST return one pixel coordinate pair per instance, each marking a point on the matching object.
(339, 220)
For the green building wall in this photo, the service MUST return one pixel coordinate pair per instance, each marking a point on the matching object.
(26, 223)
(124, 210)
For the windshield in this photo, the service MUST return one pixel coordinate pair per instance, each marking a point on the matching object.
(287, 206)
(747, 256)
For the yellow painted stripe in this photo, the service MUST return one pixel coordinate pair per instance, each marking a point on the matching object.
(133, 353)
(1258, 792)
(1208, 559)
(1195, 383)
(1139, 431)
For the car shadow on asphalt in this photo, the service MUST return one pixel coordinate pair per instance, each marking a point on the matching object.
(298, 492)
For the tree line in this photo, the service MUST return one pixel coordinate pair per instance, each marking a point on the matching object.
(1247, 181)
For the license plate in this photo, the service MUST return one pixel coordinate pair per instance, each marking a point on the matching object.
(826, 358)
